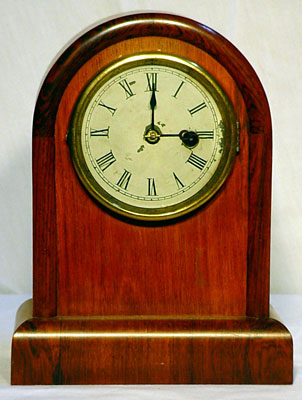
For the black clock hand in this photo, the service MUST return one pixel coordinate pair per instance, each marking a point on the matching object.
(189, 138)
(152, 105)
(152, 135)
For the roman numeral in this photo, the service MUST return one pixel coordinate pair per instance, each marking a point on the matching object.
(197, 108)
(99, 132)
(111, 109)
(152, 81)
(105, 161)
(196, 161)
(178, 89)
(123, 182)
(205, 134)
(151, 187)
(179, 184)
(126, 86)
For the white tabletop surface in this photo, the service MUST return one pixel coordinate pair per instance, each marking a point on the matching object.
(288, 307)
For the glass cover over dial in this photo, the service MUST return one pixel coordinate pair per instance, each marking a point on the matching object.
(153, 137)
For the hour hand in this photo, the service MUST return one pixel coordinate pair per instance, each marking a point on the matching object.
(189, 138)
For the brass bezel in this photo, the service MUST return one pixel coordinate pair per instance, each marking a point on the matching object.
(199, 198)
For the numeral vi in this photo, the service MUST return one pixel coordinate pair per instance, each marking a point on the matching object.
(151, 187)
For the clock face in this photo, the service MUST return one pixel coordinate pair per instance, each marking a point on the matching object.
(153, 137)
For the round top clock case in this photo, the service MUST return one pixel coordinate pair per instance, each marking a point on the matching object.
(151, 214)
(153, 136)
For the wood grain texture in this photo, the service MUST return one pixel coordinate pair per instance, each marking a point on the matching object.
(218, 48)
(260, 175)
(108, 266)
(127, 302)
(153, 350)
(44, 227)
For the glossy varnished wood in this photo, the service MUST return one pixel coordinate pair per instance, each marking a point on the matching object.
(44, 227)
(151, 349)
(188, 32)
(117, 301)
(113, 267)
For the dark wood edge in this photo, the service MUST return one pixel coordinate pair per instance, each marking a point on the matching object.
(154, 24)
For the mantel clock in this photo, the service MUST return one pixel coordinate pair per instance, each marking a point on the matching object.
(151, 187)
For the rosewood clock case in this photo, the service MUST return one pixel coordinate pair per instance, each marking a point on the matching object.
(121, 301)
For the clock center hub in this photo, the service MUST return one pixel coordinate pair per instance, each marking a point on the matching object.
(152, 135)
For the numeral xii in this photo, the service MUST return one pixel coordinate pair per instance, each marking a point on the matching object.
(151, 81)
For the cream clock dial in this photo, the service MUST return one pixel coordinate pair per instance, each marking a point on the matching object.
(153, 137)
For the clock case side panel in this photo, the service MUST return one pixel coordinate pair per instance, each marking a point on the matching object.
(44, 227)
(142, 25)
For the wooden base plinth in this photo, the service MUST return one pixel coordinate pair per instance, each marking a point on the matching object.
(150, 350)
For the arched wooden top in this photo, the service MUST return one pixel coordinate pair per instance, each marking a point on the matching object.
(259, 143)
(142, 25)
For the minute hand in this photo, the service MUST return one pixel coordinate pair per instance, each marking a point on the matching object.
(152, 105)
(188, 138)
